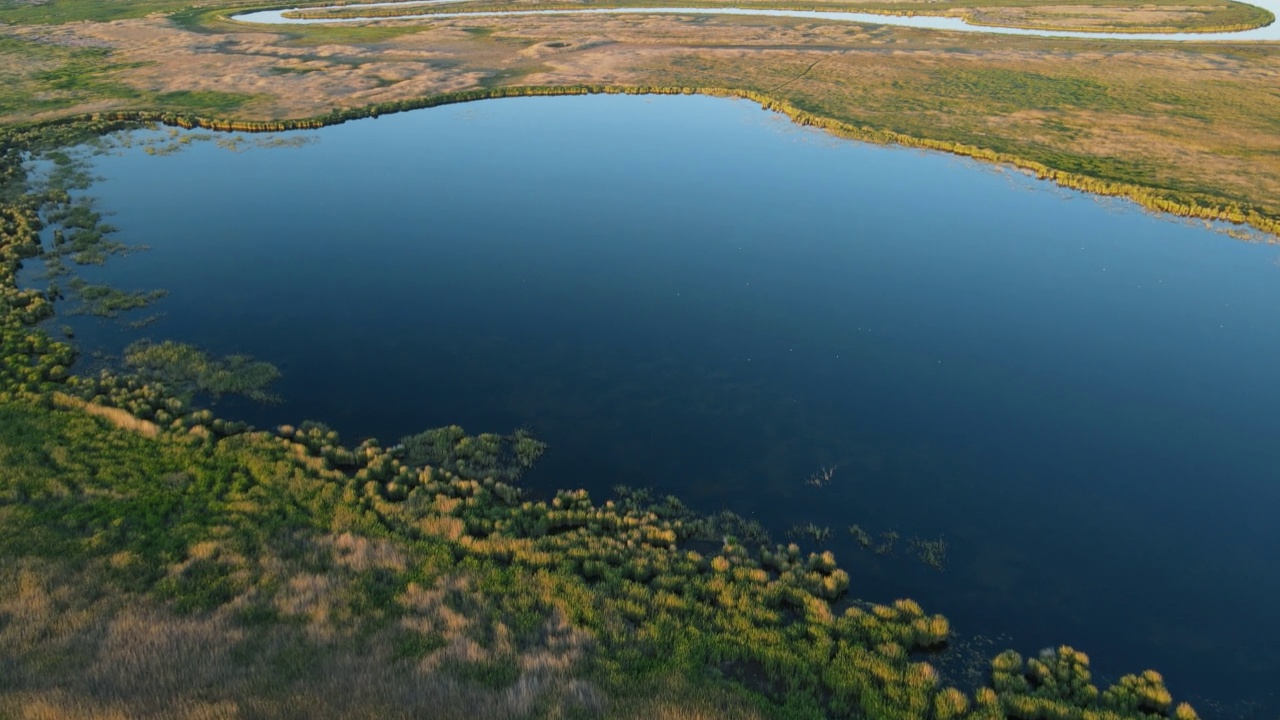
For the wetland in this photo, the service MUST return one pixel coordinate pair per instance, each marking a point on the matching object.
(863, 372)
(1069, 397)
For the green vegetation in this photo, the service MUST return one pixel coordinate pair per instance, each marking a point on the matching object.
(185, 371)
(52, 12)
(159, 557)
(205, 101)
(63, 76)
(486, 455)
(930, 552)
(258, 525)
(108, 302)
(809, 532)
(1020, 89)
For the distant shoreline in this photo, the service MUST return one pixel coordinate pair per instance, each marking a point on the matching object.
(1265, 31)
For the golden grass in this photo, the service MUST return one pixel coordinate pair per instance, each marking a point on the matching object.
(428, 613)
(66, 654)
(361, 553)
(677, 701)
(312, 597)
(120, 418)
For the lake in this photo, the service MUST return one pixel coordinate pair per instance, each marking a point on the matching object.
(695, 296)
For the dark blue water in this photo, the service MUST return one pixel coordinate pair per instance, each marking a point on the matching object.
(692, 295)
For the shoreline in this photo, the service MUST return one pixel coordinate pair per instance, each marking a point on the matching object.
(1150, 198)
(1267, 31)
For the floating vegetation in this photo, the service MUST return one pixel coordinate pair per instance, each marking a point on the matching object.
(143, 322)
(723, 524)
(888, 539)
(629, 497)
(240, 143)
(79, 236)
(66, 171)
(811, 532)
(187, 370)
(861, 537)
(930, 552)
(501, 457)
(175, 141)
(822, 478)
(107, 302)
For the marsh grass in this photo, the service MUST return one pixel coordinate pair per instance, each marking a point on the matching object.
(143, 661)
(56, 76)
(70, 11)
(265, 598)
(187, 371)
(105, 301)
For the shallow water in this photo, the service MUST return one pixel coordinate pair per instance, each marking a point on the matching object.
(693, 295)
(1269, 32)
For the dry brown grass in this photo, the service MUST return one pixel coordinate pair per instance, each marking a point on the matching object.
(42, 618)
(677, 701)
(1092, 18)
(66, 651)
(314, 598)
(120, 418)
(67, 654)
(361, 553)
(427, 612)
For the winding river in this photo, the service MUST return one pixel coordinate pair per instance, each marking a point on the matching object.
(929, 22)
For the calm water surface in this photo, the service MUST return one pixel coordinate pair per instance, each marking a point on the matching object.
(693, 295)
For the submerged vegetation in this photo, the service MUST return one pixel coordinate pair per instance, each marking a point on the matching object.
(106, 301)
(154, 556)
(930, 552)
(486, 455)
(186, 371)
(810, 532)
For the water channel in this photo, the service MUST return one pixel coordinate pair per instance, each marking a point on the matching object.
(1269, 32)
